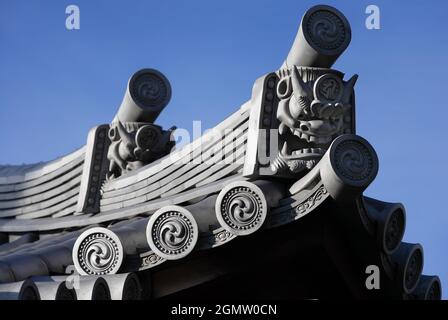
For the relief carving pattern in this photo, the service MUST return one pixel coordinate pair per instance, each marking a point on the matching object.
(315, 108)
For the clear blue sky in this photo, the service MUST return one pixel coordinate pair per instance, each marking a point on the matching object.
(56, 84)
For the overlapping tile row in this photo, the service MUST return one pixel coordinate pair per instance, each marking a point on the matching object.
(43, 190)
(240, 209)
(127, 217)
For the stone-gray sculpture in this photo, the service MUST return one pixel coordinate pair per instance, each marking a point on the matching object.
(315, 107)
(135, 220)
(135, 140)
(136, 144)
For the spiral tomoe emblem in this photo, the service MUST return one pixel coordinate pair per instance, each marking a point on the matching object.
(354, 160)
(394, 230)
(241, 208)
(327, 30)
(413, 269)
(147, 137)
(172, 232)
(150, 89)
(328, 88)
(98, 251)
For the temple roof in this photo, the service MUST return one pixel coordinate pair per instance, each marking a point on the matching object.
(276, 188)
